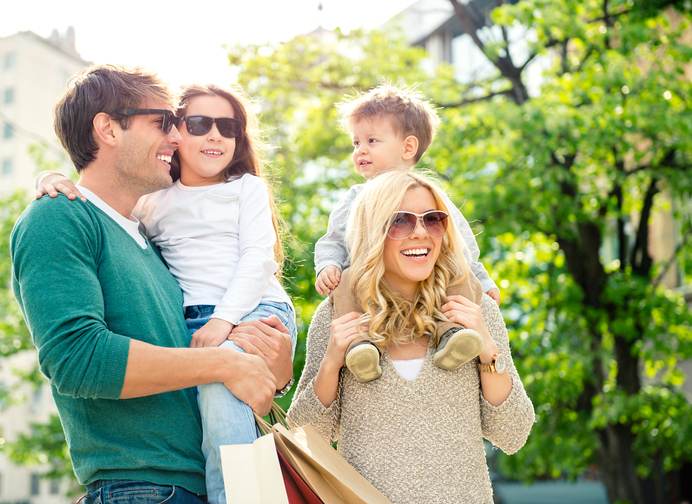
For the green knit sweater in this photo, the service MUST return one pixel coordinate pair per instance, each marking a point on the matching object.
(86, 288)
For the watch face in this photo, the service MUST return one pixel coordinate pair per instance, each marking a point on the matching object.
(501, 364)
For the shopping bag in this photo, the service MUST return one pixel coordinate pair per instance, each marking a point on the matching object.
(297, 490)
(323, 468)
(252, 474)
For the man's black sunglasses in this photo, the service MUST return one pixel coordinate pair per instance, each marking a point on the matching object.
(168, 118)
(199, 125)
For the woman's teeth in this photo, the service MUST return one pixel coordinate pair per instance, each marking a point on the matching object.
(416, 252)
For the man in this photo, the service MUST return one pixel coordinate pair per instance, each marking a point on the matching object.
(105, 314)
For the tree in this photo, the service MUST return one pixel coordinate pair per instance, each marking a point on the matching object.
(554, 180)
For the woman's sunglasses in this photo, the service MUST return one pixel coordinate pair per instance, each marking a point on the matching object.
(403, 224)
(199, 125)
(168, 118)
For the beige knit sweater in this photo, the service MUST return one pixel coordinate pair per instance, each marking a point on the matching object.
(417, 441)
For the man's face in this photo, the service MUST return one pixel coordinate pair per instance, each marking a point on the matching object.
(377, 147)
(144, 154)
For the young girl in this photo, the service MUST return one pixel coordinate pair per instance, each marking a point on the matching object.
(417, 432)
(216, 228)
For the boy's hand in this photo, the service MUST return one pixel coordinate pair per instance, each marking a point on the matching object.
(328, 280)
(495, 294)
(213, 333)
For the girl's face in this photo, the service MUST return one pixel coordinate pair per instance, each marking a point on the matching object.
(203, 158)
(411, 260)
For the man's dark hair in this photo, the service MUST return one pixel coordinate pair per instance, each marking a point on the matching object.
(103, 88)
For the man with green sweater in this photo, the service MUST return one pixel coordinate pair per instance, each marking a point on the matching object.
(106, 315)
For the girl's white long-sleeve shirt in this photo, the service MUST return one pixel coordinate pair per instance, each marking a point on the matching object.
(218, 242)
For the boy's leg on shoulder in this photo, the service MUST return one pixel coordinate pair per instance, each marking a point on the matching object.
(362, 357)
(456, 344)
(343, 299)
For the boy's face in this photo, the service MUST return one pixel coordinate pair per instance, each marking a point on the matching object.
(377, 147)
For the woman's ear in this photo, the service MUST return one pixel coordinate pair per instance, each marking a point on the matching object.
(410, 147)
(104, 129)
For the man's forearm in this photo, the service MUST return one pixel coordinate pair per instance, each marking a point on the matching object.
(154, 370)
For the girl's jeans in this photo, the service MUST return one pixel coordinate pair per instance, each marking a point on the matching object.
(225, 418)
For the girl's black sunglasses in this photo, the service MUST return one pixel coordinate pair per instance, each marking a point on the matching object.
(199, 125)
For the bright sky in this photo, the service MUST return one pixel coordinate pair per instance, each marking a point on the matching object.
(183, 41)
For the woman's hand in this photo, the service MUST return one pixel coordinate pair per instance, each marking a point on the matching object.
(53, 183)
(465, 312)
(213, 333)
(345, 330)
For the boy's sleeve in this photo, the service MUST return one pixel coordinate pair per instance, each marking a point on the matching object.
(472, 250)
(330, 249)
(55, 249)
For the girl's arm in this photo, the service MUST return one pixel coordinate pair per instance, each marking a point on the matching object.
(257, 266)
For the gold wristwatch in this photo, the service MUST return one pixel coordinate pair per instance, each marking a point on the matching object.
(496, 366)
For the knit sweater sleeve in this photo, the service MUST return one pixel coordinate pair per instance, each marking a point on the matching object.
(508, 424)
(306, 407)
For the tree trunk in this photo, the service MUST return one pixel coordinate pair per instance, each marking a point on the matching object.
(617, 465)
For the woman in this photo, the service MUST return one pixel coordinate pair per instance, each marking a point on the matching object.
(417, 432)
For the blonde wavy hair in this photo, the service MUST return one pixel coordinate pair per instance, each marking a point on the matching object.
(392, 318)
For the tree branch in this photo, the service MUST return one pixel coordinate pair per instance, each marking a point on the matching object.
(671, 260)
(640, 251)
(466, 101)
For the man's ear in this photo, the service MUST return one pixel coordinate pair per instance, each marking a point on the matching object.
(410, 147)
(105, 129)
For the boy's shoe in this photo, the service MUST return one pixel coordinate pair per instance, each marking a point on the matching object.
(363, 360)
(457, 346)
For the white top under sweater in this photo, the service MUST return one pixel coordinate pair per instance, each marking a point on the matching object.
(218, 241)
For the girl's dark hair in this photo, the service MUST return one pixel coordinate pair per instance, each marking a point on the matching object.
(246, 158)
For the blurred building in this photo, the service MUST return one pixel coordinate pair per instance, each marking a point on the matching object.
(34, 72)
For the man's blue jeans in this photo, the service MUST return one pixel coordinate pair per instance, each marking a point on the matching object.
(225, 418)
(138, 492)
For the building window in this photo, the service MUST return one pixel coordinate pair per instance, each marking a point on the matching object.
(7, 167)
(8, 96)
(8, 131)
(54, 487)
(9, 60)
(34, 484)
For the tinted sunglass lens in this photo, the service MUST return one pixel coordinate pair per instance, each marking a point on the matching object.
(228, 127)
(435, 222)
(402, 225)
(167, 122)
(198, 125)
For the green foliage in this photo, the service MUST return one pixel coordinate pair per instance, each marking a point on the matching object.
(560, 187)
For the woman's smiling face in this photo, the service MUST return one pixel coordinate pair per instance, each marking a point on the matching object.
(203, 158)
(411, 260)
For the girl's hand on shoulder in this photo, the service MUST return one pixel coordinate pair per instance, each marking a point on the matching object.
(345, 330)
(52, 183)
(213, 333)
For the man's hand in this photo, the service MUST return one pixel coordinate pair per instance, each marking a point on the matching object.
(268, 338)
(328, 280)
(252, 382)
(213, 333)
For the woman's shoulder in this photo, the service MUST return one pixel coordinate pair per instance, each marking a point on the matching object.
(322, 318)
